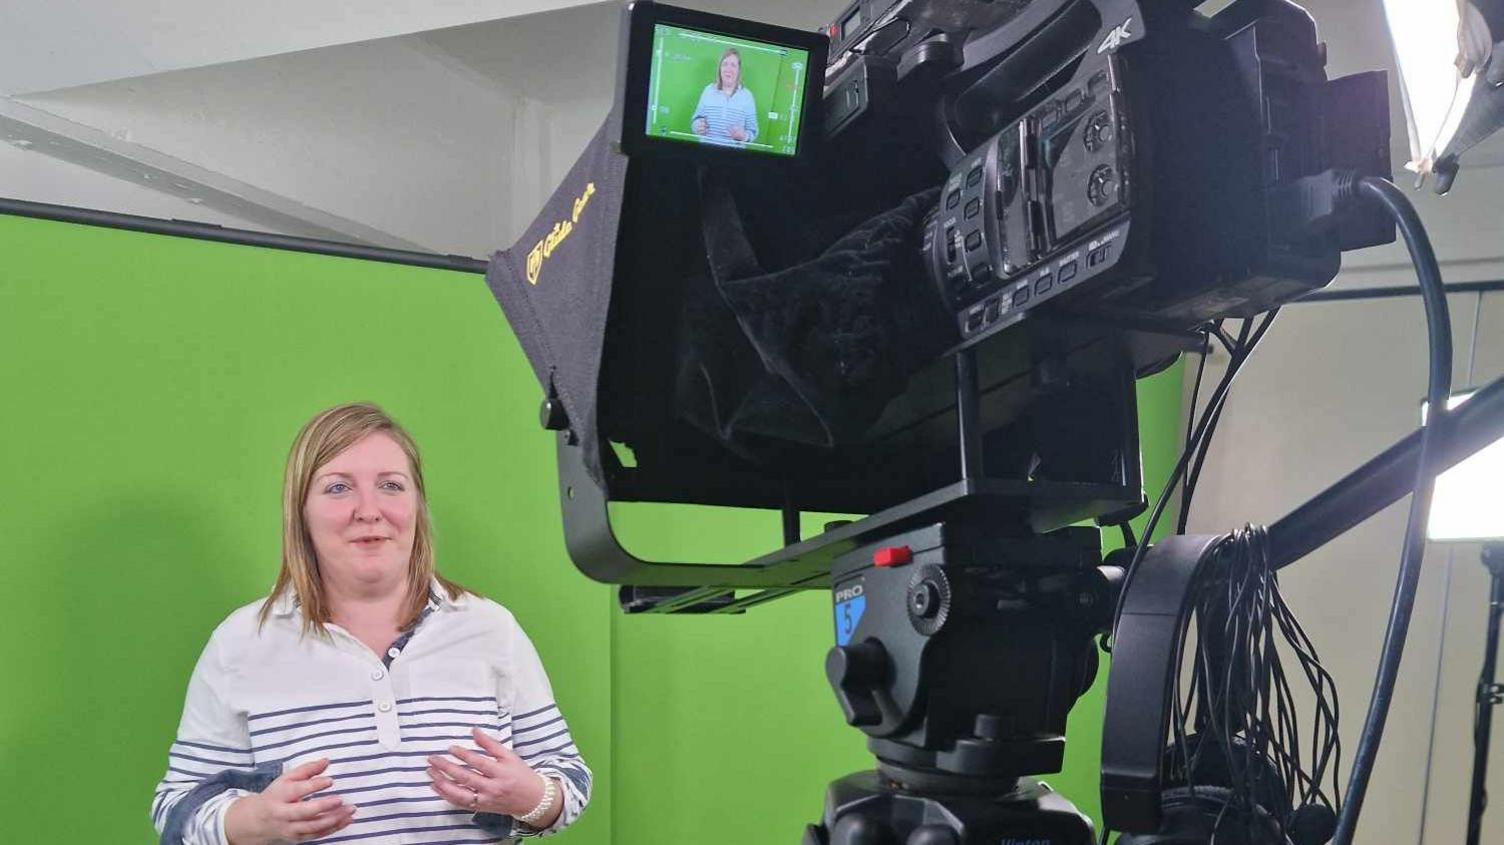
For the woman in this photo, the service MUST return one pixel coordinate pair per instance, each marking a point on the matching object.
(366, 696)
(726, 113)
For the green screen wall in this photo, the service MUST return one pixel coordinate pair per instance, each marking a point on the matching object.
(150, 388)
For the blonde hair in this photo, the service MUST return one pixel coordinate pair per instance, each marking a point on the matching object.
(322, 438)
(730, 51)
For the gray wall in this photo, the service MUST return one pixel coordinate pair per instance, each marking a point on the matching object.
(1332, 385)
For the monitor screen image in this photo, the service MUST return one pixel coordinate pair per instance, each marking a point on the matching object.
(707, 88)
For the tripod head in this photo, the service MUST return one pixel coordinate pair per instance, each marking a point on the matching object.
(959, 652)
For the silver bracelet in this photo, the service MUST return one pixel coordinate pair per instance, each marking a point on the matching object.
(545, 804)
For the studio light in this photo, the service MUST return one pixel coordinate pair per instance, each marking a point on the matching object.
(1468, 503)
(1451, 74)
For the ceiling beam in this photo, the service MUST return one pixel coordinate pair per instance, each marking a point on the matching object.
(39, 131)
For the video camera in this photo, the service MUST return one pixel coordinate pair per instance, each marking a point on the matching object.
(909, 268)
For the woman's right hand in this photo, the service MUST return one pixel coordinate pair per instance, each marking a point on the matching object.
(279, 813)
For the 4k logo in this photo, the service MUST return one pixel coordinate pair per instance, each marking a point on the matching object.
(1116, 36)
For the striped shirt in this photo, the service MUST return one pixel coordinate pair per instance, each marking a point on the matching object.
(721, 111)
(275, 696)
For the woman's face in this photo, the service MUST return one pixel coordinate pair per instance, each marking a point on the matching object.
(731, 71)
(361, 512)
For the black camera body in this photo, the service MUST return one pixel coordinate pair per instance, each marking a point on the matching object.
(1117, 166)
(1039, 209)
(933, 318)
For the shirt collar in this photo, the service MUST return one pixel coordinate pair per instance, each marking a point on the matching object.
(286, 603)
(438, 597)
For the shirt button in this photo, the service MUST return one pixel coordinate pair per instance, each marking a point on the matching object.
(377, 675)
(392, 652)
(384, 706)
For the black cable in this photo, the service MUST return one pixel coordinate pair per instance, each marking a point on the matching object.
(1219, 394)
(1164, 496)
(1244, 709)
(1439, 382)
(1245, 347)
(1326, 743)
(1238, 349)
(1226, 339)
(1190, 417)
(1244, 701)
(1189, 487)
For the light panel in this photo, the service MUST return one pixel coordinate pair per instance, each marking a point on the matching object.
(1436, 95)
(1468, 504)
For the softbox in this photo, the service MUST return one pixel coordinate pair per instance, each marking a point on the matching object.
(735, 334)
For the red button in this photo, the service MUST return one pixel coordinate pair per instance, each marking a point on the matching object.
(892, 556)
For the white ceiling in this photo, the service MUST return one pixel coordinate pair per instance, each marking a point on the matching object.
(46, 45)
(551, 56)
(375, 122)
(438, 126)
(562, 55)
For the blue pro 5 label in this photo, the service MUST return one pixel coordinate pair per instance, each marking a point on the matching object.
(850, 603)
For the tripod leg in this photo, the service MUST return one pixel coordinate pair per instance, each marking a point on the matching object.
(1488, 693)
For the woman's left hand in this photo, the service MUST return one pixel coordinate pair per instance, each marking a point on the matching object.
(494, 780)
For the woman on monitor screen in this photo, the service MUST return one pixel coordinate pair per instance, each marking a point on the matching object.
(726, 113)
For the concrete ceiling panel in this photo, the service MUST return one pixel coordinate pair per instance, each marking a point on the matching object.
(45, 46)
